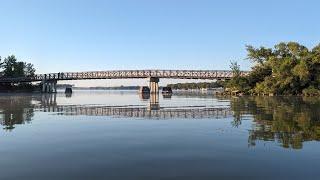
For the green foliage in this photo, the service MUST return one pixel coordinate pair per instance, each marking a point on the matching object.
(1, 63)
(259, 55)
(287, 69)
(29, 70)
(311, 91)
(257, 74)
(13, 68)
(237, 83)
(235, 68)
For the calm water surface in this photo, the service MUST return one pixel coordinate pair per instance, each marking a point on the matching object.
(124, 135)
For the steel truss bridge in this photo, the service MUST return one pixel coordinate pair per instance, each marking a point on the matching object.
(126, 74)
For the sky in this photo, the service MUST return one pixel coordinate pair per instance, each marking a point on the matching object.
(90, 35)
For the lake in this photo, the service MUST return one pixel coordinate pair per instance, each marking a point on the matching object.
(124, 135)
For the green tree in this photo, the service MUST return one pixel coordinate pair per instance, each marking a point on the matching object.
(258, 74)
(9, 66)
(1, 63)
(14, 68)
(235, 68)
(258, 55)
(29, 70)
(238, 82)
(288, 68)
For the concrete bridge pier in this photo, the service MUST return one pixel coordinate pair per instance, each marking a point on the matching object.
(153, 85)
(68, 90)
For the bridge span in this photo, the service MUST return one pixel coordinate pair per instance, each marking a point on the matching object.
(49, 80)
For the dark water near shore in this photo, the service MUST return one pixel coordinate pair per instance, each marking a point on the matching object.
(124, 135)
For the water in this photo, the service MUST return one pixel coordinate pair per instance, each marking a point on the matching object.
(121, 135)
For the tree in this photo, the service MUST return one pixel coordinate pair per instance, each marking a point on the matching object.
(288, 68)
(238, 82)
(235, 68)
(1, 63)
(14, 68)
(259, 55)
(9, 66)
(29, 70)
(258, 74)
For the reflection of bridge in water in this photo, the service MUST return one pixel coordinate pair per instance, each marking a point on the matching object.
(152, 110)
(139, 112)
(20, 109)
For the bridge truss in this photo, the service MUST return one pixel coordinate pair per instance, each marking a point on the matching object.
(126, 74)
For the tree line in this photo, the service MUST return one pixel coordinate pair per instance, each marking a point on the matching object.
(286, 69)
(201, 85)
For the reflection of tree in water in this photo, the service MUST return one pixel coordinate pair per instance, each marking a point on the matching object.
(19, 109)
(15, 110)
(288, 120)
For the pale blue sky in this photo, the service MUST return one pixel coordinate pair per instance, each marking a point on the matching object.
(78, 35)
